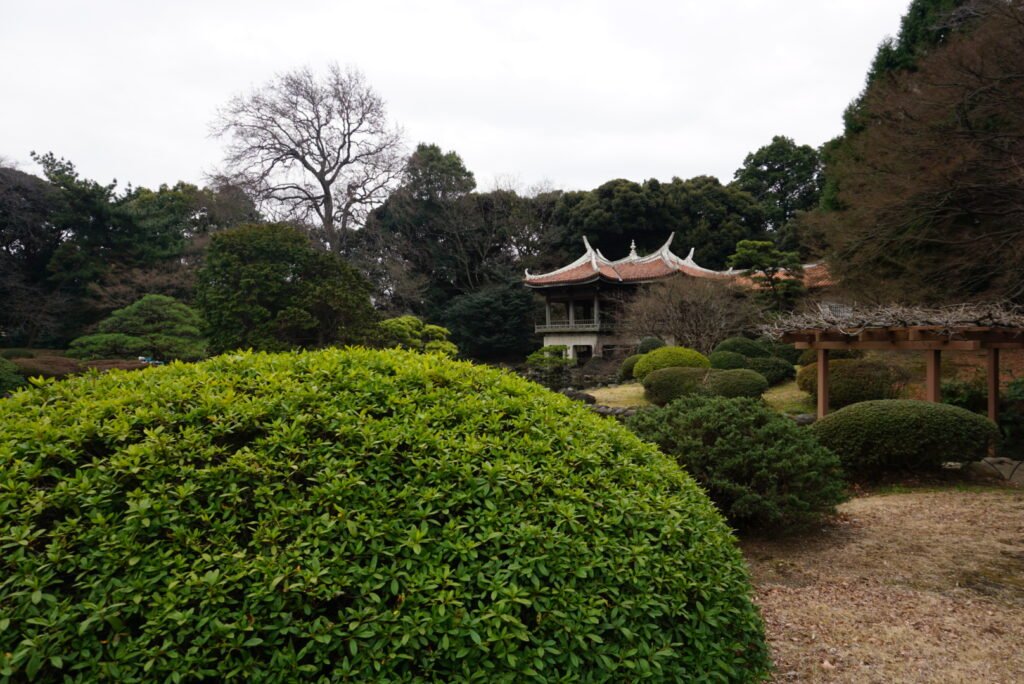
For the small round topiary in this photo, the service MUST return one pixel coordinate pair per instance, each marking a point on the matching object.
(626, 369)
(809, 356)
(725, 360)
(774, 369)
(666, 384)
(743, 345)
(354, 515)
(901, 435)
(649, 344)
(738, 382)
(854, 380)
(761, 468)
(667, 357)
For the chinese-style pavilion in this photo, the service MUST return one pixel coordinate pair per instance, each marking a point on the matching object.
(580, 298)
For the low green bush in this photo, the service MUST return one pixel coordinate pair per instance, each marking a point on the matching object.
(855, 380)
(782, 351)
(550, 366)
(649, 344)
(354, 515)
(410, 332)
(667, 357)
(900, 435)
(762, 470)
(726, 360)
(626, 369)
(10, 378)
(666, 384)
(775, 370)
(809, 356)
(738, 382)
(743, 345)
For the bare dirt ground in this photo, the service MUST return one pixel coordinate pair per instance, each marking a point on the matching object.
(916, 586)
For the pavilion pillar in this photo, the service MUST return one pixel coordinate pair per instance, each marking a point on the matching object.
(597, 312)
(572, 313)
(933, 376)
(993, 384)
(547, 312)
(822, 382)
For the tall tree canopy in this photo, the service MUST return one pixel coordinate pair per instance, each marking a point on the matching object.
(314, 149)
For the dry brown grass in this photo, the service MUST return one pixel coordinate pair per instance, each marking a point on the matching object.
(925, 586)
(628, 395)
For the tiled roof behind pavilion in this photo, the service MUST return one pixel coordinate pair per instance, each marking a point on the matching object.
(633, 268)
(594, 266)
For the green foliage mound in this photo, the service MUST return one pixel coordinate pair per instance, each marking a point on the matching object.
(876, 437)
(667, 384)
(649, 344)
(550, 366)
(10, 378)
(855, 380)
(744, 346)
(626, 369)
(738, 382)
(809, 356)
(667, 357)
(726, 360)
(354, 515)
(762, 469)
(156, 326)
(775, 370)
(409, 332)
(783, 351)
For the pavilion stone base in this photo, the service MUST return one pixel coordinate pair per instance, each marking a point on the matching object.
(585, 345)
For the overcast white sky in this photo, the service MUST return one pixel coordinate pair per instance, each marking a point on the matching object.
(574, 93)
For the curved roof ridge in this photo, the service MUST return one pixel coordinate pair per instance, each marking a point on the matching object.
(589, 255)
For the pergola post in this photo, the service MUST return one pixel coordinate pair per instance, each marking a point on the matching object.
(822, 382)
(993, 384)
(933, 376)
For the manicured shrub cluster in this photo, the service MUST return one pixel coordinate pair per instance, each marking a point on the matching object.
(742, 345)
(855, 380)
(626, 369)
(809, 356)
(10, 378)
(782, 351)
(667, 384)
(738, 382)
(354, 515)
(761, 469)
(649, 344)
(877, 437)
(667, 357)
(775, 370)
(726, 360)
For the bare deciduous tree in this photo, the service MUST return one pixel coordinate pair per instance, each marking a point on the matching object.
(698, 313)
(317, 151)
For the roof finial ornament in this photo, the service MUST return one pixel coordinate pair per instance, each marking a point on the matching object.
(632, 249)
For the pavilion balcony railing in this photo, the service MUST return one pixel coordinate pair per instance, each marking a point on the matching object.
(577, 325)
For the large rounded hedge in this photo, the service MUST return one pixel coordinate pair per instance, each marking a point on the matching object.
(875, 437)
(761, 468)
(668, 357)
(775, 369)
(626, 369)
(727, 360)
(738, 382)
(354, 515)
(855, 380)
(649, 344)
(743, 345)
(666, 384)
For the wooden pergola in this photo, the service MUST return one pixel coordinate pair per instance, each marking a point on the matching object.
(931, 331)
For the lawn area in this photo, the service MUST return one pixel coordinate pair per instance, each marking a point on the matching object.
(789, 399)
(920, 585)
(620, 396)
(785, 398)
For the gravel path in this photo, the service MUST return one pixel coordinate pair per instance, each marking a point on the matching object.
(926, 586)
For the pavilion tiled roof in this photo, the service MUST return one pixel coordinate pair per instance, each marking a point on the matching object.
(594, 266)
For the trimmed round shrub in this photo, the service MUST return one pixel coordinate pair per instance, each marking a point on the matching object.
(761, 468)
(668, 357)
(360, 515)
(744, 346)
(774, 369)
(10, 378)
(649, 344)
(725, 360)
(785, 351)
(738, 382)
(902, 435)
(666, 384)
(626, 369)
(855, 380)
(809, 356)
